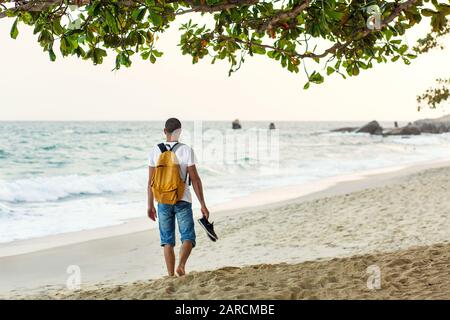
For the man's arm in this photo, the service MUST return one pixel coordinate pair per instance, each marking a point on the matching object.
(151, 211)
(198, 188)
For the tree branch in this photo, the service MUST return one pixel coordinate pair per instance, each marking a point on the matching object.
(284, 15)
(219, 7)
(41, 5)
(337, 46)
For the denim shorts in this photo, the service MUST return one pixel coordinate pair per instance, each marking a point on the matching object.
(182, 212)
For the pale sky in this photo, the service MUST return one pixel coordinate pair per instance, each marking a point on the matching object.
(33, 88)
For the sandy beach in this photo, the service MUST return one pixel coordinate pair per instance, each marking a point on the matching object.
(236, 149)
(418, 273)
(316, 246)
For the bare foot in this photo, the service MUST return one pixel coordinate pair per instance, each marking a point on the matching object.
(180, 271)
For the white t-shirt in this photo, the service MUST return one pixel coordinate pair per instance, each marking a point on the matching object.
(186, 158)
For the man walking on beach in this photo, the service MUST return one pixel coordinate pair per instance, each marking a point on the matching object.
(171, 191)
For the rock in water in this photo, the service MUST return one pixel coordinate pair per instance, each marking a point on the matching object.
(236, 124)
(272, 126)
(404, 131)
(439, 125)
(372, 127)
(345, 129)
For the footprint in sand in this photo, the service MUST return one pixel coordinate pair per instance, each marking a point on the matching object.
(170, 289)
(399, 262)
(203, 292)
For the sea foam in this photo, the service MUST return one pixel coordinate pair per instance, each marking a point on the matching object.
(44, 189)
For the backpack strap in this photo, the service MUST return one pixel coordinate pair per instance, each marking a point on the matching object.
(162, 147)
(175, 146)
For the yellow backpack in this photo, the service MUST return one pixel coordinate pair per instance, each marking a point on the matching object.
(167, 185)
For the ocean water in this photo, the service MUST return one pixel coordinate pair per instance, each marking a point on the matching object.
(58, 177)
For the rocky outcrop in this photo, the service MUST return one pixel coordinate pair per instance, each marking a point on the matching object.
(272, 126)
(345, 129)
(236, 124)
(439, 125)
(373, 127)
(404, 131)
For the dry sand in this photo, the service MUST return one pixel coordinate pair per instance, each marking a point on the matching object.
(392, 215)
(419, 273)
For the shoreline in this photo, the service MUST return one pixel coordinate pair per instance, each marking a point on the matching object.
(273, 197)
(380, 213)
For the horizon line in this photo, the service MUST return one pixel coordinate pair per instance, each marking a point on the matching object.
(190, 120)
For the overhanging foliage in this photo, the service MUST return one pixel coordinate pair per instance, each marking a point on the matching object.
(334, 33)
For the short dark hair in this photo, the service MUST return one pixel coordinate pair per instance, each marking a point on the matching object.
(172, 124)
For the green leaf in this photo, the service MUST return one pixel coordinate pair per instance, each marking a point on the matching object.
(99, 54)
(316, 77)
(156, 19)
(353, 70)
(64, 46)
(27, 18)
(14, 31)
(45, 38)
(271, 54)
(138, 14)
(388, 34)
(258, 49)
(51, 54)
(428, 12)
(94, 8)
(403, 49)
(330, 70)
(57, 27)
(123, 59)
(306, 86)
(10, 13)
(157, 53)
(111, 21)
(145, 55)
